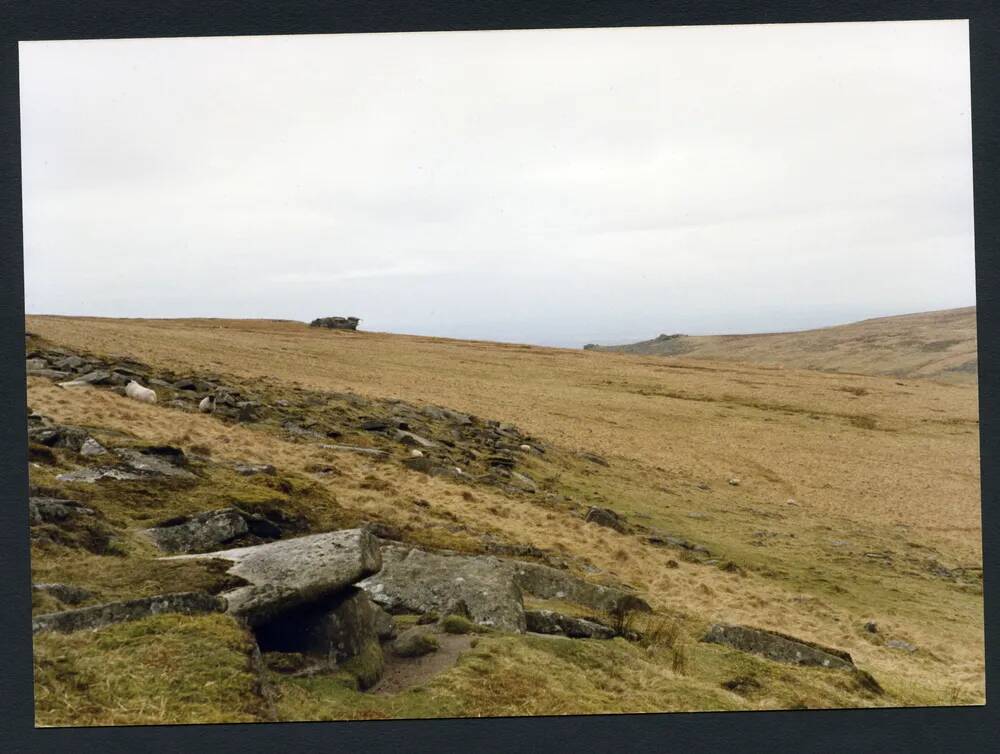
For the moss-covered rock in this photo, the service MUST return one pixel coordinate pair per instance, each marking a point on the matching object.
(457, 624)
(415, 644)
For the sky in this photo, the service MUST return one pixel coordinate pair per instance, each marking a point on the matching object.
(556, 187)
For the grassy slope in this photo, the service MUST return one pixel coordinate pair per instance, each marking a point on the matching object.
(873, 466)
(160, 670)
(937, 345)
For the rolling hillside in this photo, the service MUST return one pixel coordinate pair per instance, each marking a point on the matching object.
(937, 345)
(842, 510)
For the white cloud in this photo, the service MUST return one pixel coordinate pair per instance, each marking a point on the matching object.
(401, 270)
(551, 186)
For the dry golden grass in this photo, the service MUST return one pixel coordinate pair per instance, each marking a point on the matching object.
(870, 462)
(161, 670)
(939, 345)
(691, 419)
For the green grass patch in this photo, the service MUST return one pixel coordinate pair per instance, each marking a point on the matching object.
(458, 624)
(160, 670)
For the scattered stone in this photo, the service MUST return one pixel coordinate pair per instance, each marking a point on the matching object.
(517, 550)
(374, 452)
(549, 622)
(871, 627)
(447, 414)
(96, 377)
(416, 581)
(30, 364)
(253, 469)
(666, 540)
(415, 643)
(502, 461)
(905, 646)
(777, 647)
(409, 438)
(336, 323)
(54, 510)
(430, 467)
(594, 458)
(458, 607)
(65, 593)
(522, 482)
(291, 572)
(57, 436)
(51, 374)
(416, 453)
(385, 624)
(199, 533)
(734, 482)
(247, 411)
(550, 583)
(155, 461)
(70, 362)
(69, 524)
(605, 517)
(91, 475)
(91, 447)
(188, 603)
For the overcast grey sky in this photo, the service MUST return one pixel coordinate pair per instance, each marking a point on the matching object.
(555, 187)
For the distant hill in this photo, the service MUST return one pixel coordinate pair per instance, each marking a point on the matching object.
(938, 345)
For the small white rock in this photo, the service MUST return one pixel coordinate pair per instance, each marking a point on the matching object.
(91, 447)
(735, 482)
(416, 453)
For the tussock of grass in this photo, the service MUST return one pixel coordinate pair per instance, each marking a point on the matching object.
(366, 667)
(160, 670)
(111, 579)
(457, 624)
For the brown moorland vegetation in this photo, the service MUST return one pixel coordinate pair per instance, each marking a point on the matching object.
(938, 345)
(850, 489)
